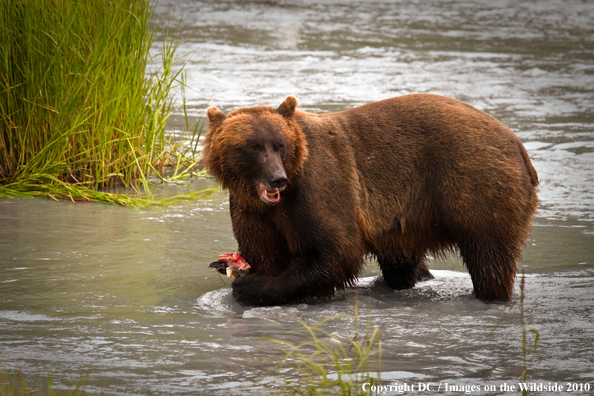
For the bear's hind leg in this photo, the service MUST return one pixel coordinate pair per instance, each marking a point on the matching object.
(492, 268)
(404, 272)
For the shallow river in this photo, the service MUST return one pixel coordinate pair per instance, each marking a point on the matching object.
(127, 293)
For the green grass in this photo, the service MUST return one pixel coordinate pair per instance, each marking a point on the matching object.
(328, 363)
(16, 385)
(524, 337)
(79, 112)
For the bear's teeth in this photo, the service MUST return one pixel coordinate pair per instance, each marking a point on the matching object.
(271, 195)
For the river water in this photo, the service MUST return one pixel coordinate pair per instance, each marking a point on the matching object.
(127, 293)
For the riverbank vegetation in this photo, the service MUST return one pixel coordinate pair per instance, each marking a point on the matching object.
(80, 113)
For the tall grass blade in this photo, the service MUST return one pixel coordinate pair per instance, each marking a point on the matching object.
(329, 363)
(525, 332)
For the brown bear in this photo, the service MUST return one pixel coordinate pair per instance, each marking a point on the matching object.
(312, 195)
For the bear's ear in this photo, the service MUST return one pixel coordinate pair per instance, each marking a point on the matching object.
(215, 116)
(287, 108)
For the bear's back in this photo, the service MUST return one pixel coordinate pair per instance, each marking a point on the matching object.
(418, 156)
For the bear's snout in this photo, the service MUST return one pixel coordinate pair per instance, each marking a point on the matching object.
(273, 170)
(278, 180)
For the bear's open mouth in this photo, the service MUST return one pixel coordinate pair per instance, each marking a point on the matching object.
(270, 195)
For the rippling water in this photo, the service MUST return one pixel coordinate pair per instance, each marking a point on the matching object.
(128, 294)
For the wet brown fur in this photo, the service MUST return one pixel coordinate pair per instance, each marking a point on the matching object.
(396, 179)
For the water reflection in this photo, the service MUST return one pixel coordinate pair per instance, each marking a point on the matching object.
(128, 293)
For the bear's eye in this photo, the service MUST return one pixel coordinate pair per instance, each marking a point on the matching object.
(254, 148)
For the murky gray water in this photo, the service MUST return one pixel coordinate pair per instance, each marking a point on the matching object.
(128, 294)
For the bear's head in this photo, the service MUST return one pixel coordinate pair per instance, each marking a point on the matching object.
(255, 152)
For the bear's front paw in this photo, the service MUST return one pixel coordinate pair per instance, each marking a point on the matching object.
(246, 290)
(255, 290)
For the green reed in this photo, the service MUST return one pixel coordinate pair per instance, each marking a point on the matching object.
(79, 112)
(524, 337)
(328, 363)
(16, 385)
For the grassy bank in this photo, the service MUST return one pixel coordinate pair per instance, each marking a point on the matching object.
(79, 112)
